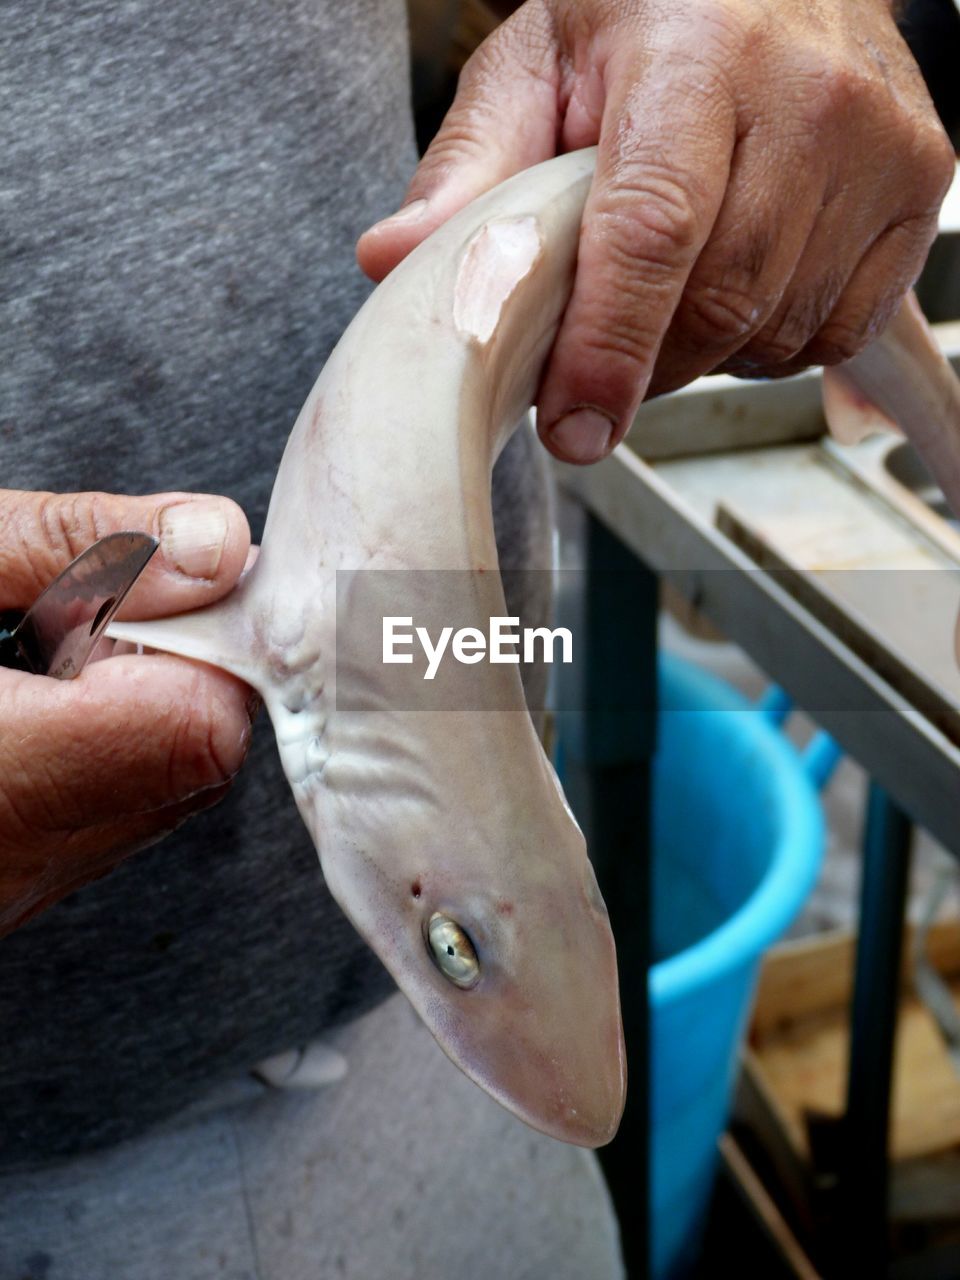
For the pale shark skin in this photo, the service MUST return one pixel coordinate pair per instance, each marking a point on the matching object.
(902, 379)
(459, 812)
(451, 811)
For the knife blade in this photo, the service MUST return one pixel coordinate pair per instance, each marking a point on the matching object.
(62, 627)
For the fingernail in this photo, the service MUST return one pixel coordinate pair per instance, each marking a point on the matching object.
(409, 213)
(192, 535)
(582, 436)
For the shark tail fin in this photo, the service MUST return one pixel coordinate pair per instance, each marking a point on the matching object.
(220, 634)
(904, 376)
(851, 416)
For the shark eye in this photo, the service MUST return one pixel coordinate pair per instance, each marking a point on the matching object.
(452, 951)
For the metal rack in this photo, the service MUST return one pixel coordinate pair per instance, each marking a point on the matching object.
(648, 516)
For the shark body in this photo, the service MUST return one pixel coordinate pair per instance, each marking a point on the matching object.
(443, 833)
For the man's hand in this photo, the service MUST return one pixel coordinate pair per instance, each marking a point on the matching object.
(766, 191)
(94, 768)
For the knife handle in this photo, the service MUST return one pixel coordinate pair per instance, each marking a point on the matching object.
(13, 652)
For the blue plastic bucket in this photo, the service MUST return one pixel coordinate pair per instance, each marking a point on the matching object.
(738, 836)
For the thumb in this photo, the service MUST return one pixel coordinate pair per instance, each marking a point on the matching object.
(504, 118)
(204, 540)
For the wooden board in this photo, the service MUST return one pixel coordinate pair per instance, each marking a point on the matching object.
(813, 976)
(880, 582)
(897, 613)
(799, 1046)
(901, 621)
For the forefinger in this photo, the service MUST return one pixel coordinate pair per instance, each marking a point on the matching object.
(662, 169)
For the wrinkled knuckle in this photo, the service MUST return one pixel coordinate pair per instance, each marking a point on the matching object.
(467, 128)
(753, 28)
(70, 522)
(717, 317)
(652, 221)
(513, 51)
(727, 31)
(846, 86)
(523, 45)
(809, 105)
(775, 345)
(727, 24)
(617, 340)
(52, 537)
(484, 62)
(801, 318)
(668, 218)
(826, 91)
(461, 137)
(59, 519)
(767, 353)
(840, 340)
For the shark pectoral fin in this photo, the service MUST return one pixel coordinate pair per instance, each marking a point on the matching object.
(218, 634)
(850, 415)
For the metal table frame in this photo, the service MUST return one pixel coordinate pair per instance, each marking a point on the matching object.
(915, 768)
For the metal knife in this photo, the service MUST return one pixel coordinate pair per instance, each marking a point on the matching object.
(61, 629)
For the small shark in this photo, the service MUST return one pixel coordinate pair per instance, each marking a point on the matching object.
(443, 832)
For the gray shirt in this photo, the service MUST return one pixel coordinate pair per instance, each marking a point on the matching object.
(181, 187)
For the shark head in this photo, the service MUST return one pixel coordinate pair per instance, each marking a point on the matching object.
(486, 911)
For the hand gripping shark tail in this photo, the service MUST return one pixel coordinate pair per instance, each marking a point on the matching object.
(443, 834)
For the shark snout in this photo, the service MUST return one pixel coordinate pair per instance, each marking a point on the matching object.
(543, 1034)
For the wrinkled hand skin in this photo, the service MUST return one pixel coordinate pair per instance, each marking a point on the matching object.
(768, 181)
(95, 768)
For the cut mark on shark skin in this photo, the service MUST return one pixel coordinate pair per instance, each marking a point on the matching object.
(494, 262)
